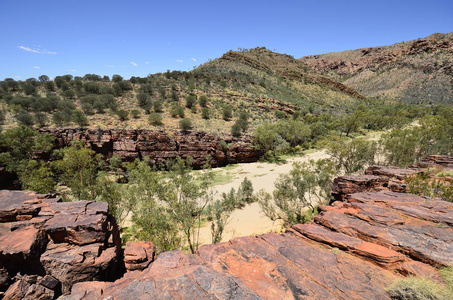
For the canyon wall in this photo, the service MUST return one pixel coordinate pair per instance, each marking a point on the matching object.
(161, 146)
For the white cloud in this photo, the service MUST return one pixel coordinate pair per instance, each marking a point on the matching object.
(193, 59)
(109, 66)
(37, 50)
(36, 67)
(72, 70)
(146, 62)
(178, 60)
(134, 64)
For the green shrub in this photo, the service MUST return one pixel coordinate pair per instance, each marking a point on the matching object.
(415, 288)
(185, 124)
(205, 113)
(155, 119)
(41, 119)
(79, 118)
(59, 118)
(122, 114)
(157, 106)
(227, 112)
(203, 101)
(190, 101)
(135, 113)
(142, 99)
(236, 130)
(25, 118)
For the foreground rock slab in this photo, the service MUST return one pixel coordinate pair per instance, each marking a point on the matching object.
(354, 249)
(47, 245)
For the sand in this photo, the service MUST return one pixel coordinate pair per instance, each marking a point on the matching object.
(250, 220)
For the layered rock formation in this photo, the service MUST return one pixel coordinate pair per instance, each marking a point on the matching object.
(415, 72)
(161, 146)
(47, 245)
(354, 249)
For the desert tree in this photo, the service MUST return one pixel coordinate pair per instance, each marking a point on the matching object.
(302, 188)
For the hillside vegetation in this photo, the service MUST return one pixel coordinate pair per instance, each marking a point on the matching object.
(414, 72)
(241, 88)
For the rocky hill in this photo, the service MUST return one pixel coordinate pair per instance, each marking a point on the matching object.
(419, 71)
(262, 84)
(279, 76)
(354, 249)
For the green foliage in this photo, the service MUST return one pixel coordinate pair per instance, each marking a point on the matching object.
(117, 78)
(142, 99)
(351, 122)
(77, 167)
(43, 78)
(122, 114)
(205, 113)
(157, 106)
(155, 119)
(25, 118)
(185, 125)
(191, 100)
(220, 210)
(36, 176)
(91, 87)
(79, 118)
(106, 189)
(236, 130)
(177, 111)
(50, 86)
(169, 205)
(41, 119)
(304, 187)
(419, 288)
(135, 113)
(350, 156)
(203, 101)
(227, 112)
(29, 89)
(280, 114)
(422, 184)
(22, 143)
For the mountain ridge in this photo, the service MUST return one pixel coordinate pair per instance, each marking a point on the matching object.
(415, 72)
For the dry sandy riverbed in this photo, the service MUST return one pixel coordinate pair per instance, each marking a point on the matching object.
(250, 220)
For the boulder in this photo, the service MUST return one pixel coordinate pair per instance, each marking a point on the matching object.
(61, 243)
(72, 263)
(138, 255)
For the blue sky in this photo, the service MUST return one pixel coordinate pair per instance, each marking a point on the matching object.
(136, 38)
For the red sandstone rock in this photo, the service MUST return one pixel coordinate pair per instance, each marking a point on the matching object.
(416, 268)
(28, 288)
(25, 247)
(344, 185)
(391, 172)
(72, 263)
(373, 252)
(408, 238)
(160, 146)
(345, 254)
(445, 161)
(138, 255)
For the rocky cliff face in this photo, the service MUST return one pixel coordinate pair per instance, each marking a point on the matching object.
(354, 249)
(161, 146)
(47, 245)
(419, 71)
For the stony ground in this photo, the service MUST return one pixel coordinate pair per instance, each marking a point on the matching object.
(354, 249)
